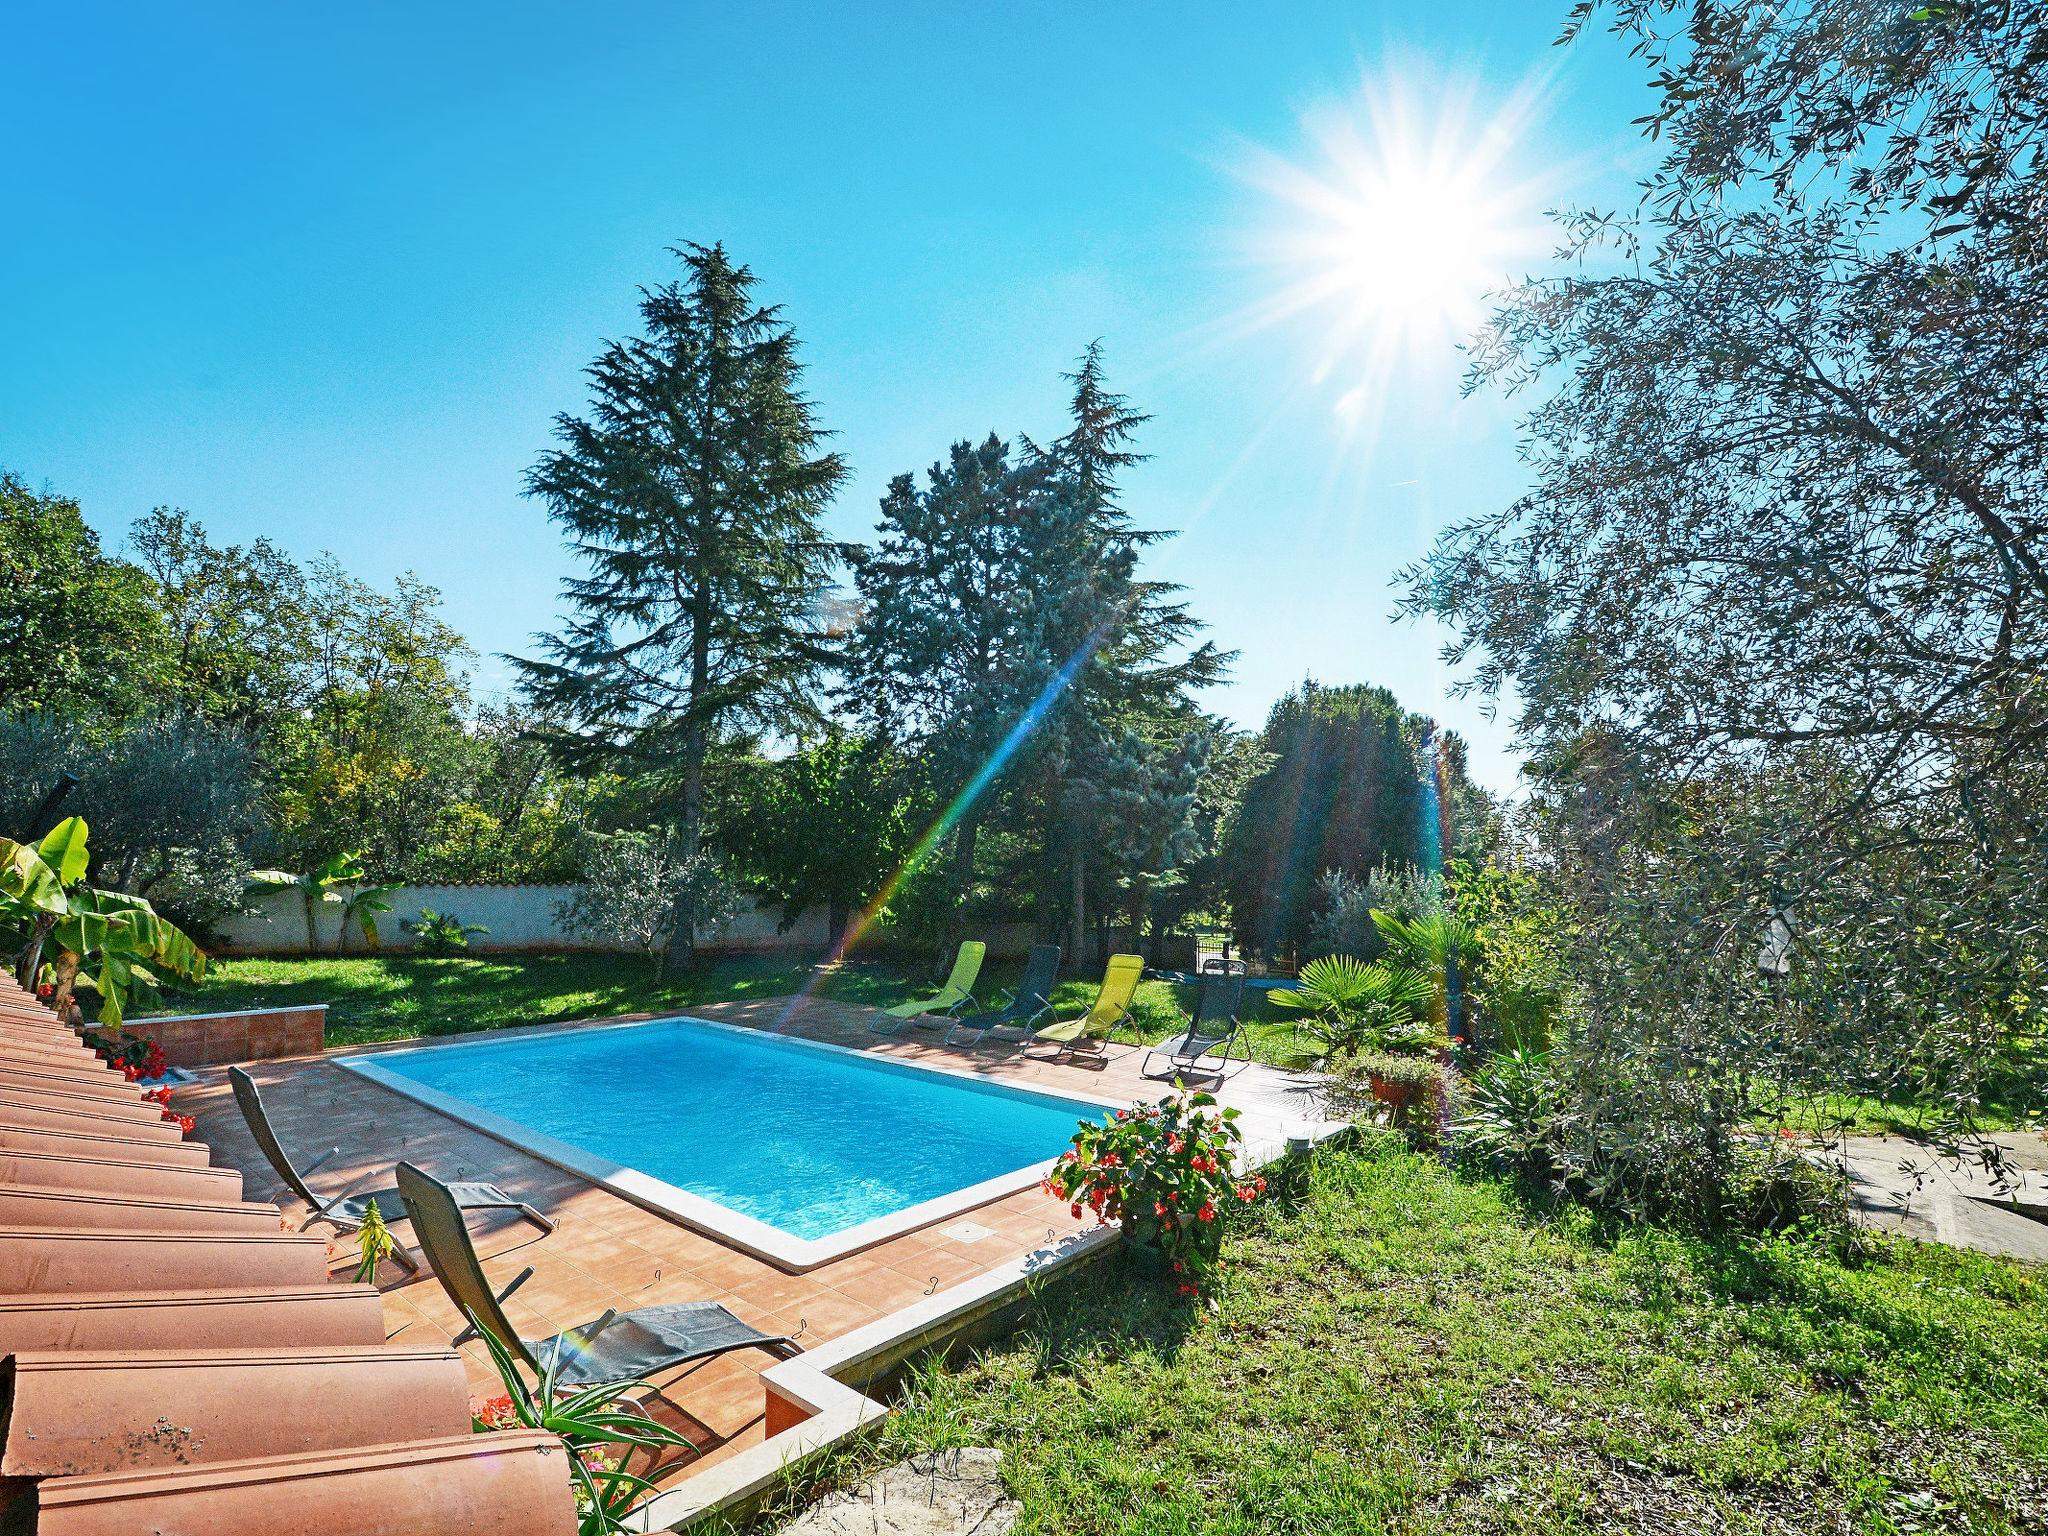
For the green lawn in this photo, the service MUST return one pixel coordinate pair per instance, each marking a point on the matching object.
(1396, 1348)
(394, 997)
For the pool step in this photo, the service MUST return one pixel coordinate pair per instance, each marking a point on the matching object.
(274, 1317)
(509, 1482)
(51, 1259)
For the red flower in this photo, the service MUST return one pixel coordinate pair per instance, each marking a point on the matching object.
(1158, 1207)
(1075, 1211)
(1186, 1289)
(1206, 1213)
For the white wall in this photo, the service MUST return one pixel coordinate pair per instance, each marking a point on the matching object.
(519, 917)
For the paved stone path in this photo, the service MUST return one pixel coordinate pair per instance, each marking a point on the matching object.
(939, 1493)
(1900, 1186)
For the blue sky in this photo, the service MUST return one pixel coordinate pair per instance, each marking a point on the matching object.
(327, 275)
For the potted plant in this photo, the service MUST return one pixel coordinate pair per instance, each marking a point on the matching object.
(1164, 1173)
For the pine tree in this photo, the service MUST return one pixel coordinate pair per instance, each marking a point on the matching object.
(1125, 638)
(692, 491)
(937, 665)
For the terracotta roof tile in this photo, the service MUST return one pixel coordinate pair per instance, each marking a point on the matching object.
(171, 1359)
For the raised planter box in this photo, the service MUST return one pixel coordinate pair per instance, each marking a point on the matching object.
(217, 1039)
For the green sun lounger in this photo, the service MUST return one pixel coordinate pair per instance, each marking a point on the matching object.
(937, 1011)
(1085, 1035)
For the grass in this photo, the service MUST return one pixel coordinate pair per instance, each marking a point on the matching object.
(395, 997)
(1397, 1348)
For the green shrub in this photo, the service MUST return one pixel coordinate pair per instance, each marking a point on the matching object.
(1777, 1187)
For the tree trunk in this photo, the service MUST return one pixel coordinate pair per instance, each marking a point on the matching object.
(1080, 925)
(66, 978)
(682, 942)
(682, 939)
(965, 841)
(1141, 902)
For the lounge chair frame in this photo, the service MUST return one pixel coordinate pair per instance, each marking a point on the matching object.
(1217, 1022)
(940, 1009)
(1027, 1002)
(617, 1346)
(1088, 1035)
(344, 1211)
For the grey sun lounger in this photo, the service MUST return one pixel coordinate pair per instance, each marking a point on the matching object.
(619, 1346)
(1213, 1030)
(345, 1211)
(1016, 1012)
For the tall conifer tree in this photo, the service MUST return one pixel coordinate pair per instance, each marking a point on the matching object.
(691, 491)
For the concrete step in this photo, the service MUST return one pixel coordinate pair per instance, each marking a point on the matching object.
(267, 1317)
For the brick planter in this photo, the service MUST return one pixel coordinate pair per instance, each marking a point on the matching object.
(216, 1039)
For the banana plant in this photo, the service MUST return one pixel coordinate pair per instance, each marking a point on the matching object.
(113, 942)
(360, 905)
(317, 887)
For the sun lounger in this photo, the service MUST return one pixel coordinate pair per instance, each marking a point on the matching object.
(1017, 1012)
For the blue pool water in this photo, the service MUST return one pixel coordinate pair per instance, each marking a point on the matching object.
(806, 1138)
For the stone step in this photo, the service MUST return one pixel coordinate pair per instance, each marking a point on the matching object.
(46, 1259)
(284, 1316)
(26, 1206)
(119, 1176)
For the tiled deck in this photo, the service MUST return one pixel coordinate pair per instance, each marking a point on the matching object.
(608, 1252)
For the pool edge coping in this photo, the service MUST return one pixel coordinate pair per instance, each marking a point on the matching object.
(748, 1234)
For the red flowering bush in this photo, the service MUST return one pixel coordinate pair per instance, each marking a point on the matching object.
(137, 1056)
(1164, 1171)
(161, 1098)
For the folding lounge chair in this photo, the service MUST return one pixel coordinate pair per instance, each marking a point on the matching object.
(345, 1211)
(1111, 1007)
(1032, 998)
(957, 993)
(1214, 1028)
(618, 1346)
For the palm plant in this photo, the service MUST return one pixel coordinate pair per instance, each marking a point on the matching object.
(1347, 1005)
(1439, 946)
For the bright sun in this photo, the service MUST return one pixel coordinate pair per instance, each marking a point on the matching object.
(1391, 229)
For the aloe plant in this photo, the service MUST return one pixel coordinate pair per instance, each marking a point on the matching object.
(115, 942)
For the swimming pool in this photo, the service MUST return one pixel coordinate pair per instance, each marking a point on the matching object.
(793, 1150)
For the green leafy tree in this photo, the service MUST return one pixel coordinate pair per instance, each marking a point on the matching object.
(938, 666)
(1776, 599)
(238, 630)
(827, 824)
(691, 490)
(79, 631)
(634, 886)
(174, 799)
